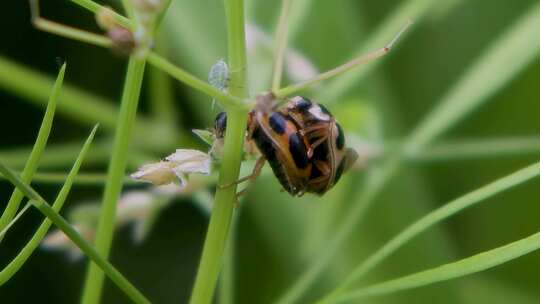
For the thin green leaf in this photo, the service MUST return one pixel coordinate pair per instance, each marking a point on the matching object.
(501, 63)
(74, 103)
(477, 149)
(37, 150)
(80, 179)
(476, 263)
(433, 218)
(37, 201)
(15, 219)
(280, 42)
(509, 55)
(25, 253)
(414, 10)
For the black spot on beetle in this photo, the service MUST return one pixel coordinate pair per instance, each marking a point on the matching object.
(340, 140)
(303, 104)
(277, 123)
(264, 144)
(339, 171)
(220, 124)
(298, 151)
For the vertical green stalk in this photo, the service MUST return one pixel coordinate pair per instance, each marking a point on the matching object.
(128, 111)
(220, 220)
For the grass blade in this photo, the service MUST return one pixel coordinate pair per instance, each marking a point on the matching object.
(280, 42)
(501, 63)
(74, 103)
(37, 150)
(37, 201)
(413, 10)
(433, 218)
(25, 253)
(14, 220)
(478, 149)
(476, 263)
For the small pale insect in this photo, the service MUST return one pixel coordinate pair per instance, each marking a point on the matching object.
(218, 77)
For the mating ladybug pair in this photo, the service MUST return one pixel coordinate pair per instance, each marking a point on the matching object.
(301, 140)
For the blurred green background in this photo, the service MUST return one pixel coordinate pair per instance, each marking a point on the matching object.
(277, 236)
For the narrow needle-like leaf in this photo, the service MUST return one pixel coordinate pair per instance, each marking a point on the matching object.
(37, 150)
(37, 201)
(431, 219)
(509, 55)
(289, 90)
(280, 44)
(25, 253)
(476, 263)
(501, 62)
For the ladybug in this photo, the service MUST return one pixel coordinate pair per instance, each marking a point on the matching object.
(327, 152)
(301, 141)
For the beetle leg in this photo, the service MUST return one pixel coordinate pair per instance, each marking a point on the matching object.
(323, 167)
(254, 174)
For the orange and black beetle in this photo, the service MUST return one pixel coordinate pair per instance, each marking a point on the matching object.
(303, 143)
(327, 151)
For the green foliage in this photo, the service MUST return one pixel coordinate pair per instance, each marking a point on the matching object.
(329, 249)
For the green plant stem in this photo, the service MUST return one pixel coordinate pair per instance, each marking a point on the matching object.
(281, 45)
(363, 59)
(37, 151)
(220, 219)
(104, 234)
(473, 264)
(37, 201)
(228, 100)
(95, 8)
(29, 248)
(414, 10)
(226, 279)
(72, 33)
(431, 219)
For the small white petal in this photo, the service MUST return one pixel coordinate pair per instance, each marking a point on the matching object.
(189, 161)
(160, 173)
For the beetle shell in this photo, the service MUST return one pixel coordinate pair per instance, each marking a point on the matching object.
(330, 157)
(303, 143)
(280, 142)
